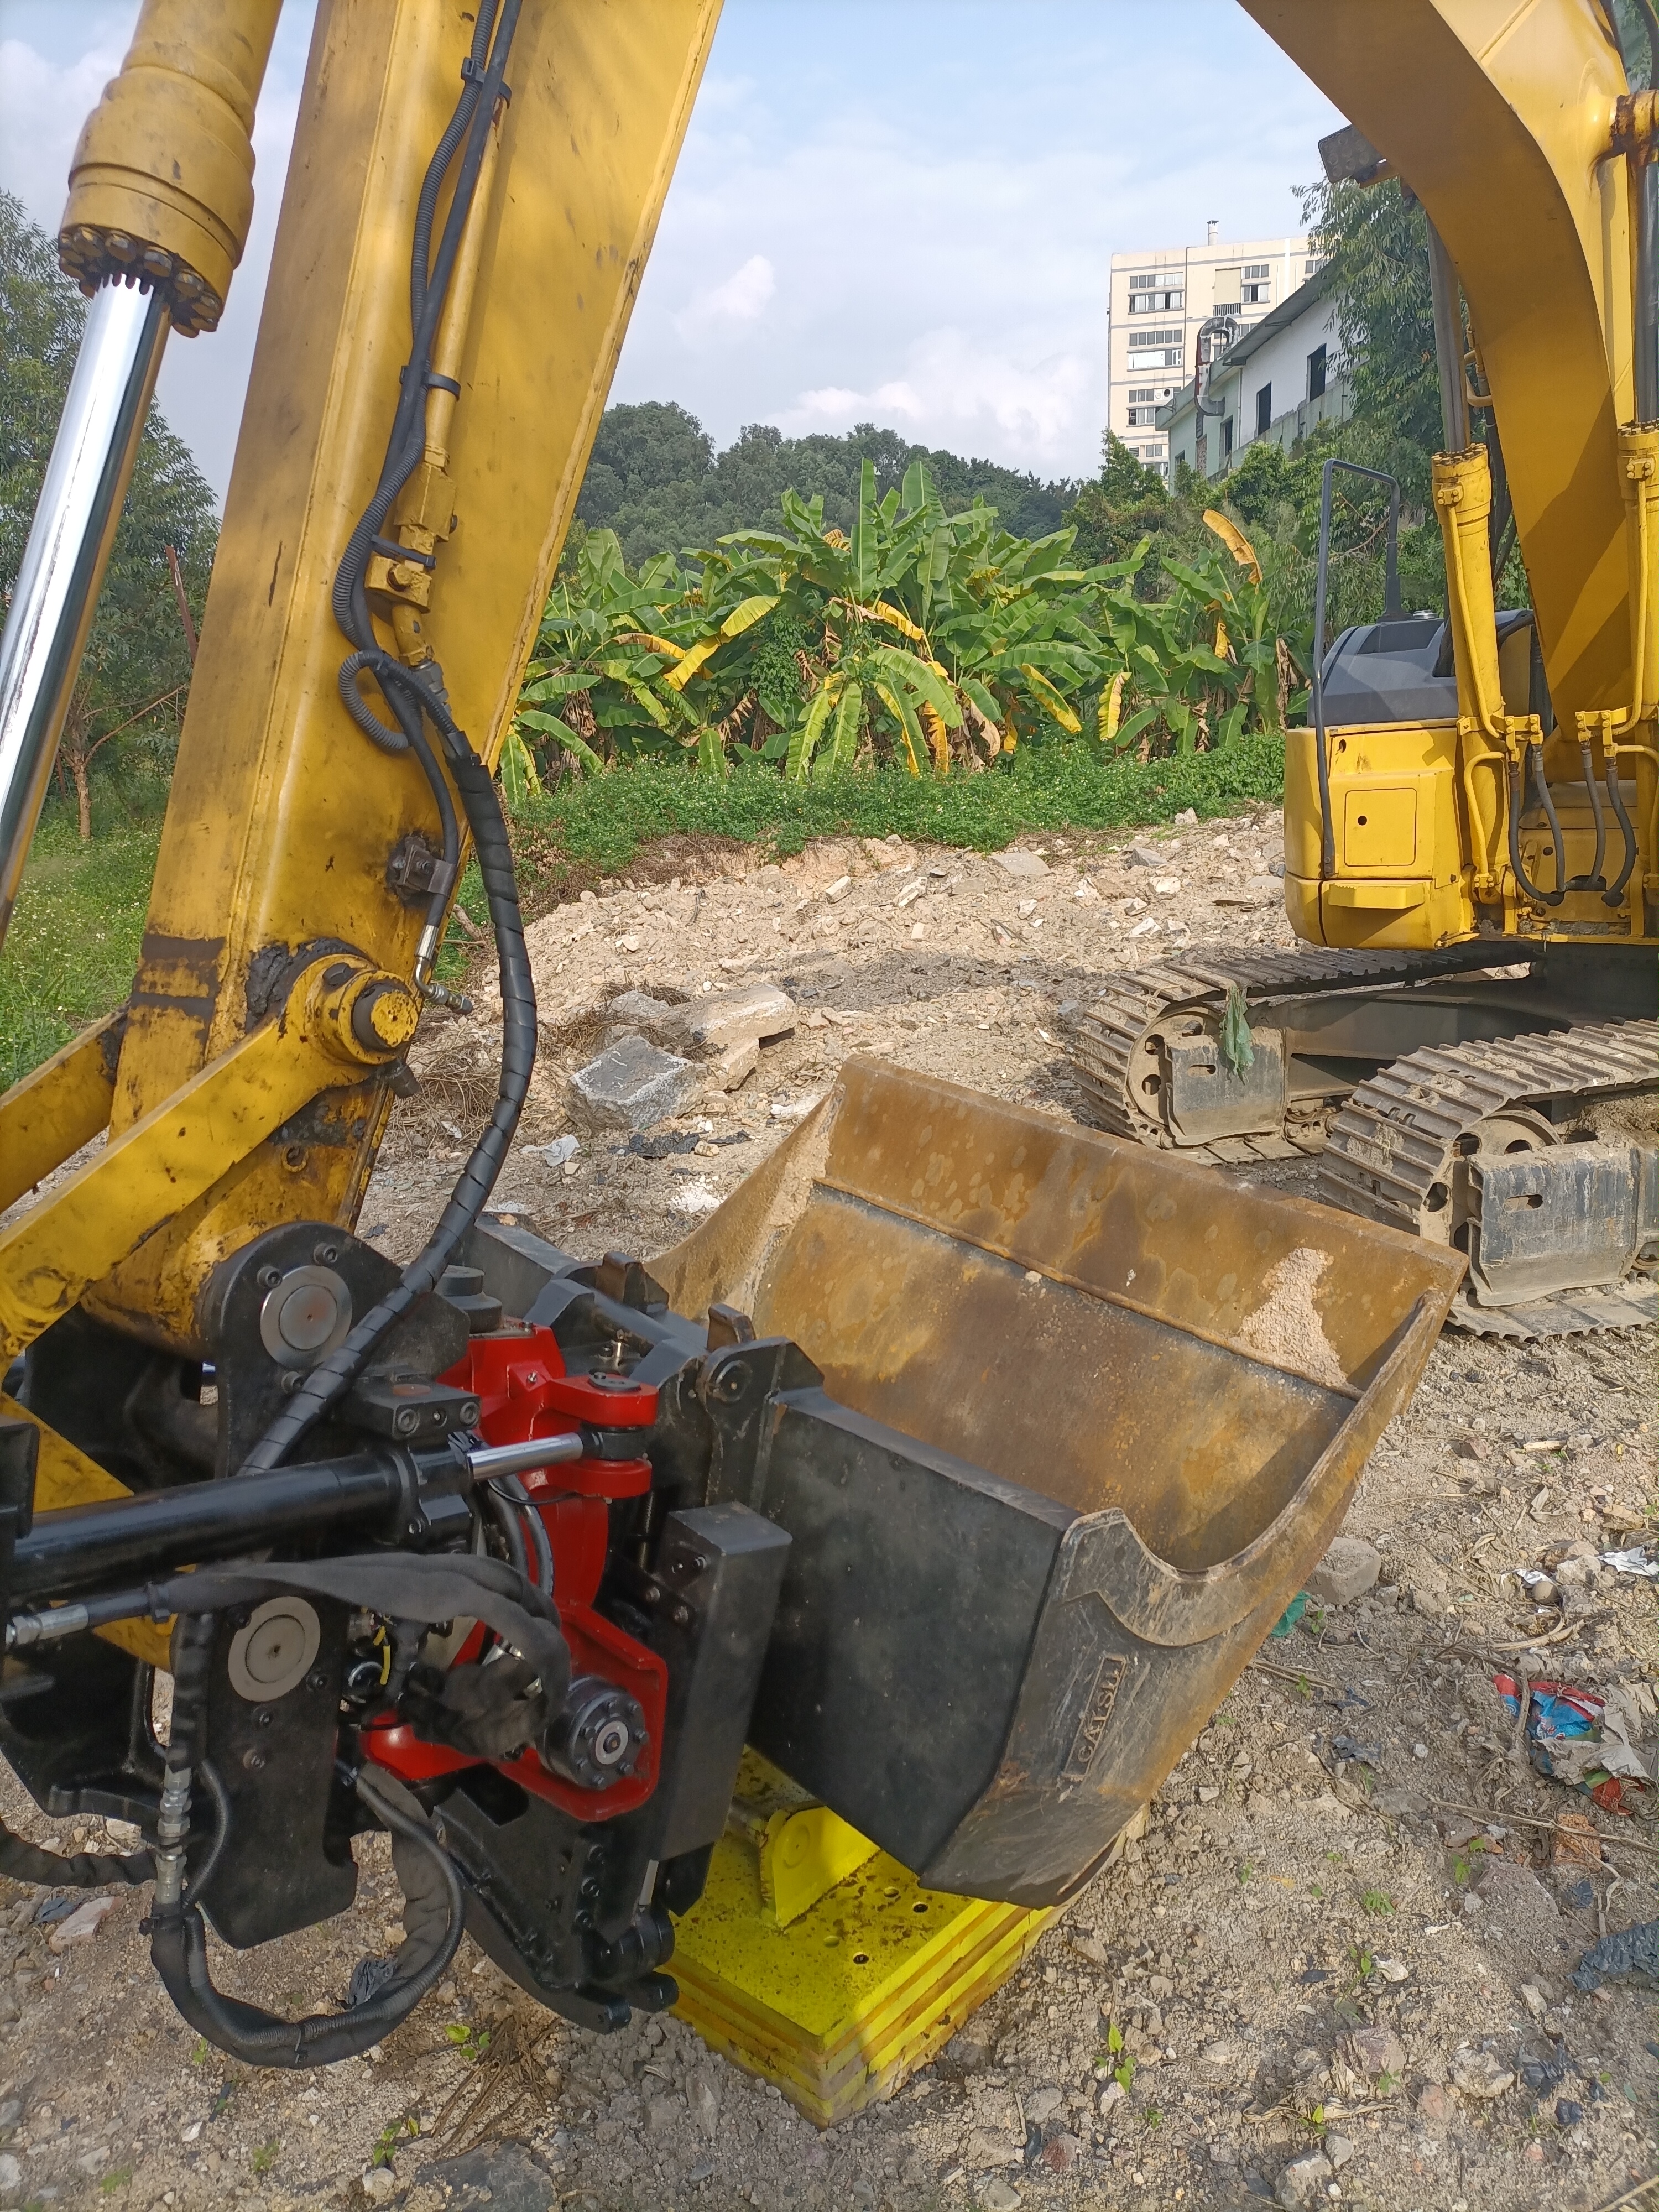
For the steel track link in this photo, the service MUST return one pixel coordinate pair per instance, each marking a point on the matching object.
(1106, 1036)
(1397, 1136)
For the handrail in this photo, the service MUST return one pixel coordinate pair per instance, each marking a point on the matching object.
(1390, 608)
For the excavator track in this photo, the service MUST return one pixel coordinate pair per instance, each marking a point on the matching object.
(1398, 1134)
(1392, 1148)
(1107, 1036)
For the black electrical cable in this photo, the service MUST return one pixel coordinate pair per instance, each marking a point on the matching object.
(533, 1522)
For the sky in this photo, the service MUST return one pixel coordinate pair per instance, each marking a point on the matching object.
(897, 211)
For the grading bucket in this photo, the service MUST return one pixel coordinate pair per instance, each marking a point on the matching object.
(1072, 1422)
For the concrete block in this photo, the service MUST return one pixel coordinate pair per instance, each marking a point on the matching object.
(1347, 1570)
(632, 1084)
(707, 1027)
(1016, 862)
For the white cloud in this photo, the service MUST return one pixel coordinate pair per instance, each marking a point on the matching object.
(744, 298)
(954, 391)
(43, 105)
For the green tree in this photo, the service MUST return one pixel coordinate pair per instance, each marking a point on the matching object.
(655, 479)
(135, 673)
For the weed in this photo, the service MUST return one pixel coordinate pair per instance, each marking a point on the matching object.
(117, 2178)
(386, 2142)
(198, 2056)
(471, 2043)
(1120, 2062)
(1153, 2117)
(1378, 1902)
(1245, 1869)
(265, 2155)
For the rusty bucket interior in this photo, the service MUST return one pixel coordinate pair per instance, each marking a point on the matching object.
(1106, 1326)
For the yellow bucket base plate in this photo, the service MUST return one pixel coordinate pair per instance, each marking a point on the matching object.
(841, 2006)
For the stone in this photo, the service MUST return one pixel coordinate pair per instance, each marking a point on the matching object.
(837, 892)
(1188, 818)
(1517, 1897)
(1061, 2152)
(11, 2111)
(11, 2173)
(705, 1028)
(1347, 1570)
(736, 1065)
(1143, 856)
(1166, 887)
(998, 2197)
(637, 1010)
(702, 2102)
(82, 1924)
(1433, 2107)
(632, 1084)
(1375, 2051)
(379, 2185)
(1477, 2074)
(1303, 2181)
(988, 2147)
(662, 2115)
(503, 2175)
(1041, 2103)
(1339, 2150)
(1016, 861)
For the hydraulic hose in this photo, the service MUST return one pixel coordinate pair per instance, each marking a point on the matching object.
(1615, 891)
(1540, 898)
(415, 700)
(435, 1919)
(1595, 881)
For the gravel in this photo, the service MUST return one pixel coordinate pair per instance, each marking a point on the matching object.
(1310, 1960)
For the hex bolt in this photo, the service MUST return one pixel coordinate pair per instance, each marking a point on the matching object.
(264, 1717)
(316, 1681)
(253, 1759)
(326, 1255)
(268, 1277)
(681, 1616)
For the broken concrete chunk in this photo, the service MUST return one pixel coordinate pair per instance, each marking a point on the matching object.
(632, 1084)
(638, 1010)
(1145, 856)
(1479, 2075)
(1303, 2181)
(1347, 1570)
(706, 1028)
(736, 1065)
(1016, 862)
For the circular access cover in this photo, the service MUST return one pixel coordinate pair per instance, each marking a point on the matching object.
(305, 1316)
(273, 1653)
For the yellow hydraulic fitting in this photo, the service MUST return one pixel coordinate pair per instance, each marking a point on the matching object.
(161, 184)
(359, 1012)
(1635, 123)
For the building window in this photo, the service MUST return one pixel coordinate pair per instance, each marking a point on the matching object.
(1226, 437)
(1141, 391)
(1312, 267)
(1143, 418)
(1257, 284)
(1256, 270)
(1155, 350)
(1264, 408)
(1158, 302)
(1316, 373)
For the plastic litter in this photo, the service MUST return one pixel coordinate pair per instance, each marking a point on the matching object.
(1287, 1620)
(1632, 1955)
(1582, 1738)
(555, 1154)
(1633, 1562)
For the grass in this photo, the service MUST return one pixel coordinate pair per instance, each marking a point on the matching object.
(74, 940)
(73, 944)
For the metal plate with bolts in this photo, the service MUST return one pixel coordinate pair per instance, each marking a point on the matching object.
(305, 1314)
(273, 1653)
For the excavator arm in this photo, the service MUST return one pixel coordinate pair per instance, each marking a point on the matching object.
(508, 1552)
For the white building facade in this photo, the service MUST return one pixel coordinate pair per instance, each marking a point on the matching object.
(1160, 296)
(1278, 381)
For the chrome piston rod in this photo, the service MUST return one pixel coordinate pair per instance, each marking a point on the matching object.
(67, 548)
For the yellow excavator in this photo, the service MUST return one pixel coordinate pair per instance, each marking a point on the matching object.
(1471, 815)
(813, 1605)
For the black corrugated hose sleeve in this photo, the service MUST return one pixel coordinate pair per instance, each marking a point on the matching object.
(333, 1377)
(434, 1917)
(24, 1862)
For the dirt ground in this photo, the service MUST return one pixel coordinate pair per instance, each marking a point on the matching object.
(1334, 1982)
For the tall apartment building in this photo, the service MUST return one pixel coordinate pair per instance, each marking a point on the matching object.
(1161, 295)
